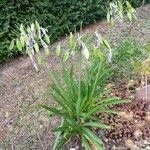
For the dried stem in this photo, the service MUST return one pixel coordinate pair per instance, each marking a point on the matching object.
(146, 90)
(40, 141)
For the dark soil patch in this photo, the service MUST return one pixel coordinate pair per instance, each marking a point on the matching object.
(131, 128)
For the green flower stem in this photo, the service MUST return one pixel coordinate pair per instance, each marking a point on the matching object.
(79, 92)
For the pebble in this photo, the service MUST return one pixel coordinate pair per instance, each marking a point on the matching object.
(72, 148)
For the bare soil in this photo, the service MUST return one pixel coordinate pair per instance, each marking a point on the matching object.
(25, 126)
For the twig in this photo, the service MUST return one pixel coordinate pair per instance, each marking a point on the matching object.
(146, 87)
(40, 141)
(12, 146)
(34, 64)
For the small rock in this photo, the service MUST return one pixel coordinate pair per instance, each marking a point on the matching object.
(41, 126)
(7, 114)
(147, 148)
(101, 133)
(126, 115)
(72, 148)
(114, 147)
(129, 143)
(130, 83)
(137, 133)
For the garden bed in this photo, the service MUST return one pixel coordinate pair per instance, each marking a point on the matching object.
(24, 126)
(130, 130)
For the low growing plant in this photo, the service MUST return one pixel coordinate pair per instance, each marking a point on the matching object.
(80, 92)
(127, 52)
(142, 68)
(80, 100)
(81, 95)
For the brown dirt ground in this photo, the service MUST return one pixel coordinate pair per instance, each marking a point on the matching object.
(23, 126)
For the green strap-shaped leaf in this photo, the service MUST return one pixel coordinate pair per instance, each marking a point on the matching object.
(47, 38)
(32, 27)
(37, 25)
(63, 141)
(105, 42)
(58, 50)
(36, 47)
(60, 129)
(114, 102)
(47, 51)
(40, 59)
(12, 44)
(22, 29)
(89, 135)
(58, 134)
(22, 41)
(19, 45)
(97, 125)
(108, 17)
(71, 40)
(129, 6)
(54, 110)
(85, 143)
(66, 56)
(129, 16)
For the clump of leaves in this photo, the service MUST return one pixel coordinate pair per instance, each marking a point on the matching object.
(142, 67)
(118, 9)
(81, 94)
(91, 46)
(30, 40)
(80, 100)
(124, 55)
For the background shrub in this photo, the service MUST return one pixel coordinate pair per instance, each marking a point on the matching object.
(58, 16)
(124, 56)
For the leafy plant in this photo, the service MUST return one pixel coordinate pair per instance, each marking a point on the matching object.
(56, 15)
(127, 52)
(118, 9)
(80, 100)
(81, 93)
(145, 63)
(30, 40)
(142, 68)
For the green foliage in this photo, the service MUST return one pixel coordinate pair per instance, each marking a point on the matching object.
(30, 40)
(117, 9)
(58, 16)
(142, 66)
(81, 92)
(80, 100)
(91, 46)
(124, 56)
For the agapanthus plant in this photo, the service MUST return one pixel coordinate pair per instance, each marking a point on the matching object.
(118, 9)
(81, 93)
(30, 40)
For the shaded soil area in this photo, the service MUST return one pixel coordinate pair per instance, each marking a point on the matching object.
(25, 126)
